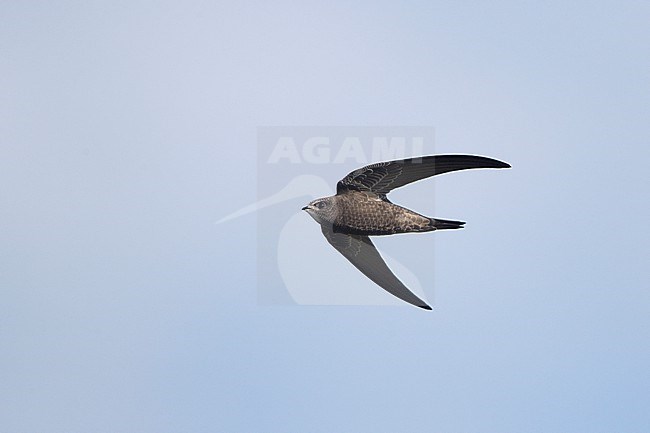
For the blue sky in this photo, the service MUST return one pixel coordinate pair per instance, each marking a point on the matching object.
(129, 128)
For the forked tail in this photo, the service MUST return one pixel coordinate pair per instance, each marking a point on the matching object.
(439, 224)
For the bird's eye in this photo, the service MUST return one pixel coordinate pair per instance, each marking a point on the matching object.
(320, 205)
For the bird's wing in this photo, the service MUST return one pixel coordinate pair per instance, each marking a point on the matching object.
(383, 177)
(361, 252)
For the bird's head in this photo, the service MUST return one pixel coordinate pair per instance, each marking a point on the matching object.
(322, 209)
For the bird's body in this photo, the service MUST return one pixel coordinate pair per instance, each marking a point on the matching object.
(365, 213)
(361, 209)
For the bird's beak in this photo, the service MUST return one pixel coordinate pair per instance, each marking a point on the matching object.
(305, 208)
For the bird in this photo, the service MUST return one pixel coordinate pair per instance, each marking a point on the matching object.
(360, 209)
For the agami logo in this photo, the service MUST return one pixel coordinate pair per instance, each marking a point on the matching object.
(295, 167)
(324, 150)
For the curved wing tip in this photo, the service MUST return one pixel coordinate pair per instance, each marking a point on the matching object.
(500, 164)
(425, 307)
